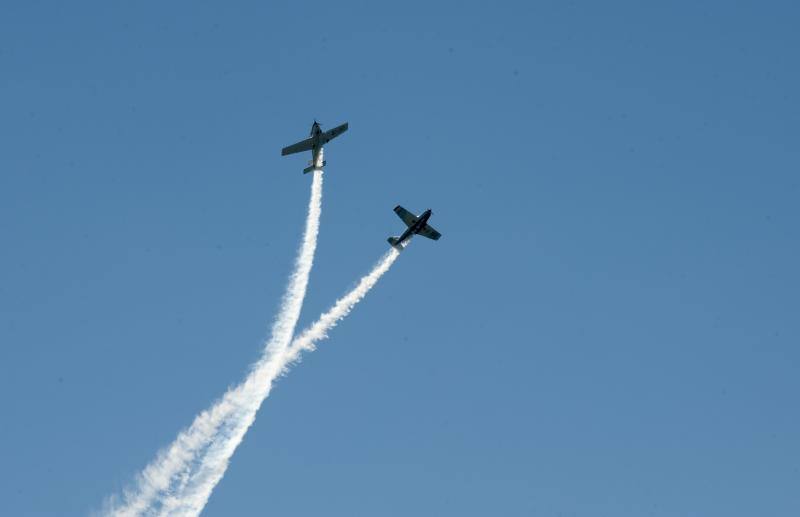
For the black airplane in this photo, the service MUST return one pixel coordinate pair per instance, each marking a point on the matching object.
(417, 225)
(314, 143)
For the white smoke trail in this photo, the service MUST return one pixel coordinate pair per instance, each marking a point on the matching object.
(307, 340)
(167, 477)
(211, 468)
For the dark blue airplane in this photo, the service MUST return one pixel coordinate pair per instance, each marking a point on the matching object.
(417, 225)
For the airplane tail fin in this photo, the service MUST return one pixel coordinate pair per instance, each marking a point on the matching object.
(395, 242)
(314, 168)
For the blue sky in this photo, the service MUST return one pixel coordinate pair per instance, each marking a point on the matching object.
(609, 325)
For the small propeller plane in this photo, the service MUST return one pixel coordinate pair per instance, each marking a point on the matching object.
(417, 225)
(314, 143)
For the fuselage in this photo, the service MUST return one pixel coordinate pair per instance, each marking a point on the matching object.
(316, 131)
(416, 227)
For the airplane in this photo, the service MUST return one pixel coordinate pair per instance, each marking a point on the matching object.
(417, 225)
(314, 143)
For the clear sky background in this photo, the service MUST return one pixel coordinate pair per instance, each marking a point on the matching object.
(609, 326)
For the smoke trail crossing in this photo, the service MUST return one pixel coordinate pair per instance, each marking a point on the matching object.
(165, 480)
(212, 467)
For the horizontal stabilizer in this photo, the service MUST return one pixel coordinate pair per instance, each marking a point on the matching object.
(313, 168)
(395, 242)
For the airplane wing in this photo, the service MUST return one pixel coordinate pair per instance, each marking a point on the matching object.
(405, 215)
(333, 133)
(429, 232)
(303, 145)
